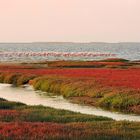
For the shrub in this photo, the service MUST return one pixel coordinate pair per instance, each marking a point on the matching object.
(11, 78)
(1, 78)
(24, 79)
(119, 100)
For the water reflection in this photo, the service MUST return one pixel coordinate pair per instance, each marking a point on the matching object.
(30, 97)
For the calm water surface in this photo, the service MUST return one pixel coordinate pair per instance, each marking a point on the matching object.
(129, 51)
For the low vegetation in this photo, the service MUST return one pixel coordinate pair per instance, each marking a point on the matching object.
(105, 87)
(111, 84)
(40, 122)
(16, 79)
(15, 111)
(81, 90)
(115, 98)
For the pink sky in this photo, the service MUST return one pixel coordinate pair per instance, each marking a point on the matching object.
(69, 20)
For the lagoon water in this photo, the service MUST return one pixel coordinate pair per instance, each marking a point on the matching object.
(129, 51)
(30, 97)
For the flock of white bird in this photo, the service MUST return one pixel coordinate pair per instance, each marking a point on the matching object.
(56, 54)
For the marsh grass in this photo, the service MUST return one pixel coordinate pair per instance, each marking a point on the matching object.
(117, 98)
(38, 122)
(99, 93)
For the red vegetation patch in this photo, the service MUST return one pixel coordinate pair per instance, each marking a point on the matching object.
(42, 130)
(11, 115)
(4, 113)
(29, 130)
(107, 77)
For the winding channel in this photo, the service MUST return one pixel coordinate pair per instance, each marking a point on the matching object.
(30, 97)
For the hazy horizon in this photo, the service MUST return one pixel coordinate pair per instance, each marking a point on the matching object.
(65, 42)
(83, 21)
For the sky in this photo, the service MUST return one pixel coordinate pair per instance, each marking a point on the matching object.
(70, 20)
